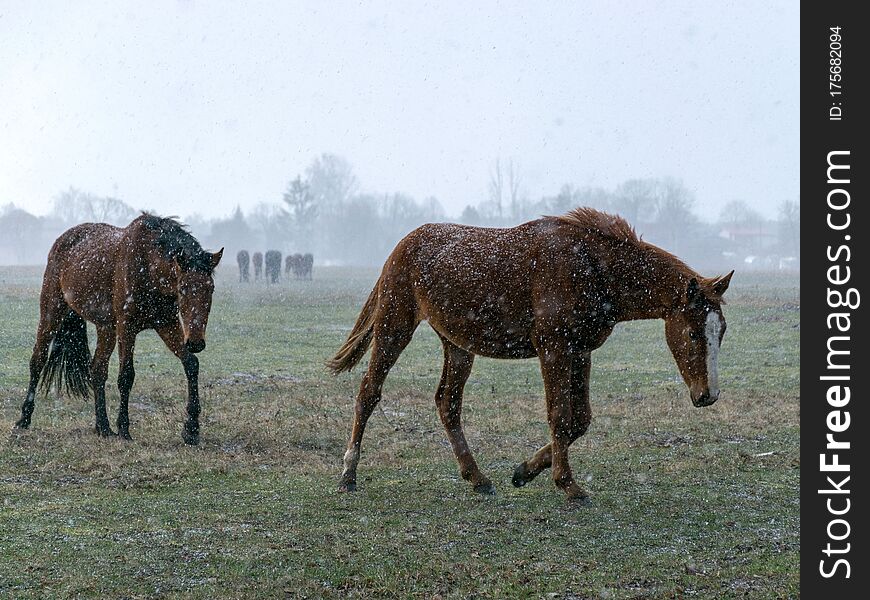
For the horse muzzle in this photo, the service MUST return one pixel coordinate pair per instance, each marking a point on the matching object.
(195, 346)
(705, 399)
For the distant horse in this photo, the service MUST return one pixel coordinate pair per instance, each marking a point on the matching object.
(307, 266)
(258, 265)
(297, 265)
(273, 266)
(244, 261)
(552, 288)
(290, 265)
(151, 274)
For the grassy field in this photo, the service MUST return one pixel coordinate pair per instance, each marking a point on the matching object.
(686, 502)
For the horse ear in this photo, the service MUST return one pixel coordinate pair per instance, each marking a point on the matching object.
(216, 258)
(693, 291)
(721, 285)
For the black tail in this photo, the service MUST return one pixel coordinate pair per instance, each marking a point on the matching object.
(69, 363)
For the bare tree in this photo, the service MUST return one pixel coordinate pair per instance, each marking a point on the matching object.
(561, 202)
(111, 210)
(470, 216)
(400, 210)
(271, 222)
(199, 226)
(674, 214)
(496, 188)
(635, 200)
(790, 227)
(303, 210)
(234, 233)
(513, 181)
(432, 209)
(594, 197)
(74, 206)
(738, 213)
(331, 181)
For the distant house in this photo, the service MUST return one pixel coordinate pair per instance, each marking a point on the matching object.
(758, 245)
(751, 236)
(751, 239)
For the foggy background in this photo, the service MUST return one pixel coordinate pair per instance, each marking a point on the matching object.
(337, 129)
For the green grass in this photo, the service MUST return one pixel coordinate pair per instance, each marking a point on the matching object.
(685, 502)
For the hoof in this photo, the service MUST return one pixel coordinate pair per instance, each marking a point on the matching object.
(485, 487)
(521, 474)
(104, 431)
(191, 439)
(346, 486)
(125, 435)
(21, 425)
(577, 496)
(579, 501)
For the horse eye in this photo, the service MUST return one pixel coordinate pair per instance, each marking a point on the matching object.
(694, 336)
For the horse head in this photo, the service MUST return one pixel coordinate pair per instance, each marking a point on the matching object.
(694, 331)
(195, 286)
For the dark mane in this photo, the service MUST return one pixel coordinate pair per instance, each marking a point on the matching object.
(177, 243)
(617, 228)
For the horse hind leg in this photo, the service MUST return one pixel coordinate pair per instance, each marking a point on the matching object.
(50, 319)
(448, 398)
(44, 336)
(394, 328)
(37, 362)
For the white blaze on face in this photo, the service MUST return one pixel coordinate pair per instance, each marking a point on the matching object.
(712, 329)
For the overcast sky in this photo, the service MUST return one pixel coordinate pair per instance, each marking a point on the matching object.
(189, 107)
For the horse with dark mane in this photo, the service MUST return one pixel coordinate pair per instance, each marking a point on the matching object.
(244, 260)
(151, 274)
(552, 288)
(257, 259)
(273, 266)
(297, 265)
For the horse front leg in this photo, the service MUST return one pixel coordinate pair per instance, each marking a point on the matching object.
(190, 433)
(126, 376)
(173, 336)
(581, 417)
(556, 368)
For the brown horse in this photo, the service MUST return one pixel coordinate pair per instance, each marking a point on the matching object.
(290, 265)
(244, 261)
(296, 265)
(151, 274)
(272, 264)
(257, 259)
(307, 265)
(552, 288)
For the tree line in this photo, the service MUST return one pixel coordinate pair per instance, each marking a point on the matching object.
(323, 211)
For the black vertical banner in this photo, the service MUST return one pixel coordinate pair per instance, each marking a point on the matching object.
(835, 420)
